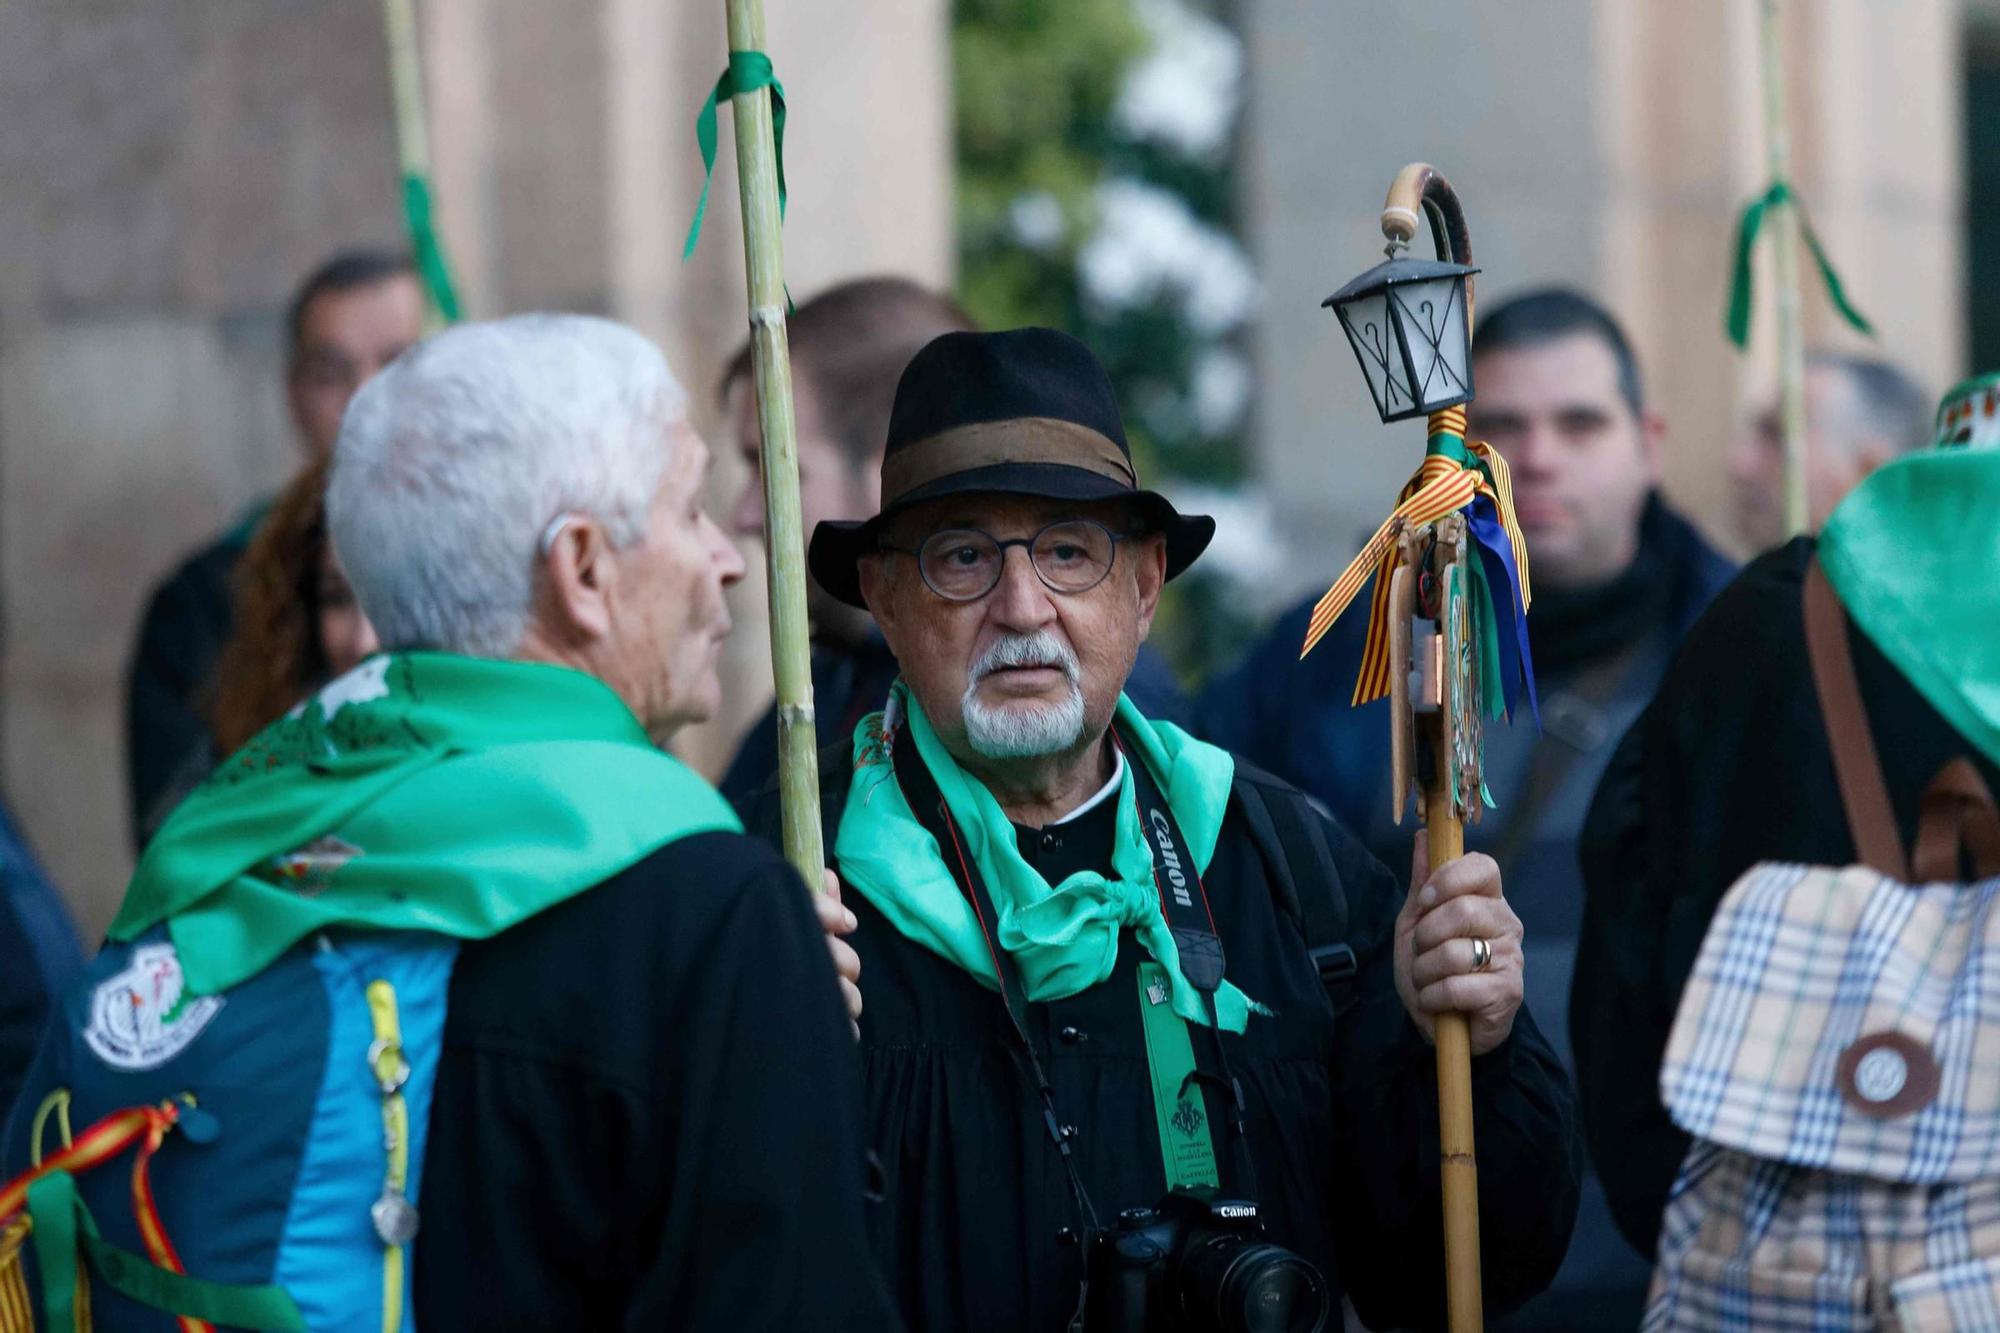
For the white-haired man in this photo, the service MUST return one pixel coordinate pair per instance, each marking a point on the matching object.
(640, 1081)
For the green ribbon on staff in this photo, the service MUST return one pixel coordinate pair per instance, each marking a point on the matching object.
(424, 244)
(748, 71)
(1779, 194)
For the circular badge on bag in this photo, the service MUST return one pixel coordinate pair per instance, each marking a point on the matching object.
(1887, 1074)
(141, 1018)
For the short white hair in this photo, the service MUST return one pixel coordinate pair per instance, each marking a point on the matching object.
(452, 462)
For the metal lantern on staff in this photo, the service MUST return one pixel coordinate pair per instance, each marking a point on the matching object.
(1447, 630)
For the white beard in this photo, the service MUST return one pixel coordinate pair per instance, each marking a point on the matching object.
(1024, 730)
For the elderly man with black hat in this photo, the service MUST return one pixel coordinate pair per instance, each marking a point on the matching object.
(1142, 1028)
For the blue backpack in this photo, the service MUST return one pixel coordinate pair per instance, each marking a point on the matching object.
(252, 1158)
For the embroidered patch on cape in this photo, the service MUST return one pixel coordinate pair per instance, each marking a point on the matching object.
(141, 1018)
(308, 870)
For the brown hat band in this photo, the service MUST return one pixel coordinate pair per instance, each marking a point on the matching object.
(990, 443)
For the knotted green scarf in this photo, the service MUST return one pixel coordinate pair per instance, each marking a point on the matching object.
(420, 791)
(1064, 939)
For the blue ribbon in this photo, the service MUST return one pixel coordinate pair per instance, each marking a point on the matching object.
(1496, 554)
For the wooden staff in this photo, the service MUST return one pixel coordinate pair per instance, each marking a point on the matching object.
(1446, 723)
(784, 536)
(1785, 260)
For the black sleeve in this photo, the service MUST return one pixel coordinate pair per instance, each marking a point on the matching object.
(1621, 1008)
(660, 1131)
(180, 637)
(1388, 1198)
(764, 1228)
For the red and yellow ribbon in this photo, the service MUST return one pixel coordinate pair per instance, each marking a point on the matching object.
(1455, 472)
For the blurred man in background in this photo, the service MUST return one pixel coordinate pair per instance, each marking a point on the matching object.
(351, 316)
(1617, 578)
(1861, 412)
(849, 345)
(39, 954)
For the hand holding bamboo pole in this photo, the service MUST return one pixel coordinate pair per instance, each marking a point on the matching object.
(757, 175)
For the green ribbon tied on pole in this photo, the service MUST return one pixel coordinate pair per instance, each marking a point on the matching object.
(424, 244)
(748, 71)
(1777, 196)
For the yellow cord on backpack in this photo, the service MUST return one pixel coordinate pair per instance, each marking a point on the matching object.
(395, 1219)
(58, 1102)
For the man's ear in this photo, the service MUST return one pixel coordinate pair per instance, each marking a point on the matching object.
(1149, 572)
(578, 576)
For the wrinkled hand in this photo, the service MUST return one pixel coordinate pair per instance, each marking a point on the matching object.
(1441, 917)
(836, 921)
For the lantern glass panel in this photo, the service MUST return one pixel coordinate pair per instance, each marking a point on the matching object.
(1375, 337)
(1430, 318)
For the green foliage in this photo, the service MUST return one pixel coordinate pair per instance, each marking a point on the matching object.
(1035, 85)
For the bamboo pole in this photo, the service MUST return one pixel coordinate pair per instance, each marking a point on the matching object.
(784, 536)
(1785, 257)
(1458, 1167)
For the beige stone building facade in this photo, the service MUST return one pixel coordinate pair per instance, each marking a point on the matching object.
(168, 170)
(1604, 144)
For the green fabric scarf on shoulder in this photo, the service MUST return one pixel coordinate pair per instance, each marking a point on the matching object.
(420, 791)
(1063, 938)
(1914, 552)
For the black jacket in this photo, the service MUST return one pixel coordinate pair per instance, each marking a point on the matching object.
(171, 681)
(645, 1114)
(1342, 1113)
(1729, 766)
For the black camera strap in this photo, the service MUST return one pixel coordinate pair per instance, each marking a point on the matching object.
(928, 804)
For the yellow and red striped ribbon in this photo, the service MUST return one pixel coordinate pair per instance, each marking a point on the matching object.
(1443, 485)
(145, 1125)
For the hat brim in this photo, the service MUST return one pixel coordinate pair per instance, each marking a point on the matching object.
(834, 555)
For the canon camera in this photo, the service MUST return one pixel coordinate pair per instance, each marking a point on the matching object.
(1199, 1264)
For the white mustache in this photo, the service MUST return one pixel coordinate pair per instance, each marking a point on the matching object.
(1040, 649)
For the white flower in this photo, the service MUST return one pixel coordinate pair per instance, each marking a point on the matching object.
(1185, 93)
(1036, 219)
(1219, 390)
(1148, 244)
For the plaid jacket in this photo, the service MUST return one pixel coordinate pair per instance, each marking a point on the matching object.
(1836, 1057)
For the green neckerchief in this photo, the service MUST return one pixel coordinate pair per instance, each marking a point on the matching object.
(1914, 552)
(420, 791)
(1064, 939)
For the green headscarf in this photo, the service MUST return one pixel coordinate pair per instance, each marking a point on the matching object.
(420, 791)
(1063, 939)
(1914, 552)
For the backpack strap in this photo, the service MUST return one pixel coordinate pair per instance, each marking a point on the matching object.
(1958, 812)
(1287, 831)
(1856, 765)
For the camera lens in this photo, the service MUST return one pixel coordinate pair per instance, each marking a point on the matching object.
(1232, 1284)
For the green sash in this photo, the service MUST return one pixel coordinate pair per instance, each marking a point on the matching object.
(1063, 938)
(420, 791)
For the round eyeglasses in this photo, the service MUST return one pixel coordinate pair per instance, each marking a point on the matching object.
(964, 564)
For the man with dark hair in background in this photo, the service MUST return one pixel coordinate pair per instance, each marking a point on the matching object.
(849, 345)
(1861, 412)
(1617, 577)
(351, 316)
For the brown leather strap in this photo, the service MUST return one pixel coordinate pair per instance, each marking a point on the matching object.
(1958, 812)
(1856, 766)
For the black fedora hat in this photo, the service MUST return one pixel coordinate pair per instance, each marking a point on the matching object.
(1025, 412)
